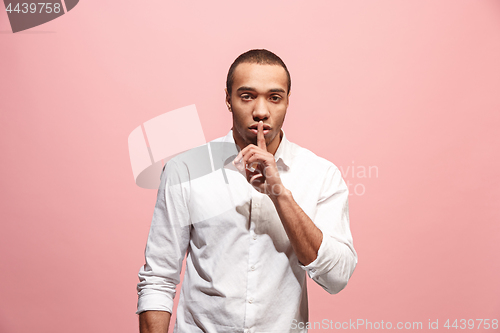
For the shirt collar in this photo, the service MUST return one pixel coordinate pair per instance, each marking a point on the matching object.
(283, 153)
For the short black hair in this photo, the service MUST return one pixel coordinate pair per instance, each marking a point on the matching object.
(256, 56)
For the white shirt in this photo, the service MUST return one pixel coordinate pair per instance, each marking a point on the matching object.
(242, 274)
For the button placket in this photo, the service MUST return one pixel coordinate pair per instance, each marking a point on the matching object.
(250, 319)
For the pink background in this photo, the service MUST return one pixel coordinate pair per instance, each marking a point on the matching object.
(409, 88)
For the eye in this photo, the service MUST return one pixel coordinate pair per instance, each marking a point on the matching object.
(246, 97)
(275, 98)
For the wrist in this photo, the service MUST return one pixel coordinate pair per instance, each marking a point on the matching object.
(280, 195)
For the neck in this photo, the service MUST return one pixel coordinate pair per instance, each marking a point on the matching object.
(273, 147)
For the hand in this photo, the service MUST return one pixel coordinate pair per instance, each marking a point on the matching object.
(263, 174)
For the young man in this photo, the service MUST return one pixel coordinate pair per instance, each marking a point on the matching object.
(251, 229)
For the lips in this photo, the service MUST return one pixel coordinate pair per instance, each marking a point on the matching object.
(256, 126)
(256, 131)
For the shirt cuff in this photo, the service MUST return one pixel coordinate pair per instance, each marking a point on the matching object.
(327, 257)
(154, 301)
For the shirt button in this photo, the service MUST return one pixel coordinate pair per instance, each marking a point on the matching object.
(252, 268)
(254, 236)
(247, 331)
(250, 300)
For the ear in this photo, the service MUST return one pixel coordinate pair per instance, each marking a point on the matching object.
(228, 101)
(288, 98)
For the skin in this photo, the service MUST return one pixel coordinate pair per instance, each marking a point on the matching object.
(259, 92)
(259, 96)
(154, 321)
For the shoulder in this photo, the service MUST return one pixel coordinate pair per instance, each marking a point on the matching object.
(200, 160)
(193, 155)
(318, 172)
(305, 156)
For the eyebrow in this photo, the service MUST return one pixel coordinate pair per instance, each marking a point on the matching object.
(276, 90)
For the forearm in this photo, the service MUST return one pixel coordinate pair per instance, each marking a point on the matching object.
(154, 321)
(303, 234)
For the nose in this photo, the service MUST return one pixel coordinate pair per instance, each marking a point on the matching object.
(261, 110)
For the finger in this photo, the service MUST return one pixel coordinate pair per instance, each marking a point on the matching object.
(237, 159)
(252, 166)
(241, 154)
(261, 140)
(252, 160)
(244, 156)
(249, 154)
(239, 167)
(241, 161)
(250, 172)
(254, 177)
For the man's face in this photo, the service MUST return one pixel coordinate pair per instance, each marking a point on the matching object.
(259, 92)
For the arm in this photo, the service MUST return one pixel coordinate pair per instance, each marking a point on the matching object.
(324, 242)
(324, 247)
(304, 236)
(154, 322)
(167, 243)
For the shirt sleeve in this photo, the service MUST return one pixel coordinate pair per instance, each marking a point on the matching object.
(167, 242)
(336, 257)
